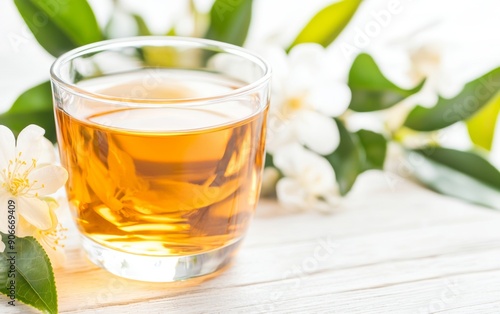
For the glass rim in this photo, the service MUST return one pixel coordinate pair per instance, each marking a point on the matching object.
(55, 69)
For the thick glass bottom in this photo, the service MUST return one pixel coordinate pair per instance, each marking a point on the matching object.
(158, 268)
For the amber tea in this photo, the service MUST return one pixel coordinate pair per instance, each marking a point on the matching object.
(164, 164)
(168, 181)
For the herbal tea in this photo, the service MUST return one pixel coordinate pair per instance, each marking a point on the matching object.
(162, 180)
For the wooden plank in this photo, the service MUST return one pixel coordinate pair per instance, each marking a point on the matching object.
(384, 250)
(323, 292)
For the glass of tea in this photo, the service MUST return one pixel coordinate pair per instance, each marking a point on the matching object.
(163, 139)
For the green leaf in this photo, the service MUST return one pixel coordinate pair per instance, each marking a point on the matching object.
(37, 98)
(269, 161)
(142, 27)
(34, 278)
(34, 106)
(371, 90)
(465, 175)
(473, 97)
(60, 26)
(347, 159)
(356, 153)
(375, 148)
(230, 20)
(481, 126)
(328, 23)
(171, 32)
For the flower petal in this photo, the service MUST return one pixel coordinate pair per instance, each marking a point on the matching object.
(29, 143)
(330, 98)
(7, 146)
(276, 56)
(25, 229)
(324, 207)
(278, 135)
(47, 179)
(313, 171)
(47, 153)
(307, 55)
(56, 254)
(298, 82)
(288, 158)
(291, 194)
(51, 243)
(317, 131)
(35, 211)
(333, 198)
(224, 63)
(318, 175)
(307, 64)
(4, 205)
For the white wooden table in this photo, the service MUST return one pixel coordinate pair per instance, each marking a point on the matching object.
(390, 248)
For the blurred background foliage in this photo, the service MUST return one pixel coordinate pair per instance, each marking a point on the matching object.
(463, 174)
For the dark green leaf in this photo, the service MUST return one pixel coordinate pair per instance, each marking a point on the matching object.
(473, 97)
(229, 21)
(4, 268)
(60, 26)
(469, 163)
(371, 90)
(34, 106)
(356, 153)
(347, 159)
(328, 23)
(269, 161)
(460, 174)
(34, 280)
(37, 98)
(375, 147)
(482, 125)
(268, 188)
(18, 121)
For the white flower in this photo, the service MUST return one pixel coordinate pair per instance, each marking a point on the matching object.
(52, 239)
(27, 175)
(308, 182)
(305, 98)
(426, 62)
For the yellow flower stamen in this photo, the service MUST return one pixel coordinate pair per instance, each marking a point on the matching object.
(54, 237)
(293, 104)
(15, 181)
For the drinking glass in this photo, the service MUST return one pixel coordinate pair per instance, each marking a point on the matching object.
(163, 139)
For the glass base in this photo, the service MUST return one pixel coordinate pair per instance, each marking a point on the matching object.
(158, 268)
